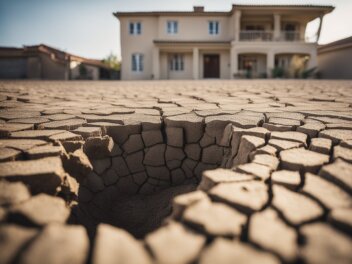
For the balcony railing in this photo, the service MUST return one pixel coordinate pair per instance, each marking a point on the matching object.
(256, 35)
(291, 36)
(260, 35)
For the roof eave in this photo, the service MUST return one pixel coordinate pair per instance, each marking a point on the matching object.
(325, 8)
(171, 13)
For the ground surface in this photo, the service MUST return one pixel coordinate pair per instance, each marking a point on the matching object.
(260, 170)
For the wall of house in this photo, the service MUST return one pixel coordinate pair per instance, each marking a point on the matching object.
(336, 64)
(166, 73)
(13, 68)
(164, 67)
(34, 68)
(92, 71)
(142, 43)
(189, 25)
(195, 28)
(74, 70)
(53, 70)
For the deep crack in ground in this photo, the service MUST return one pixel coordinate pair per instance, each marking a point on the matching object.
(200, 172)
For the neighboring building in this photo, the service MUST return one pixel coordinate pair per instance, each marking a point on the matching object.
(335, 59)
(249, 40)
(44, 62)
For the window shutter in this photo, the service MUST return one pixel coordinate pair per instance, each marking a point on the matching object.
(134, 62)
(139, 28)
(140, 62)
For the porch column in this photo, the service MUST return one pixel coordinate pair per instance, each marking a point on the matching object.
(312, 59)
(156, 63)
(237, 25)
(195, 63)
(319, 29)
(270, 62)
(277, 27)
(234, 63)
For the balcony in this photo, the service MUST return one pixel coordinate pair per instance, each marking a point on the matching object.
(260, 35)
(256, 35)
(291, 36)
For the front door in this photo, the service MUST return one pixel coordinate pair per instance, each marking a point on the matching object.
(211, 66)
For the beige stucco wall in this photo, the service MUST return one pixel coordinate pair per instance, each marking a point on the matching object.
(166, 73)
(164, 66)
(142, 43)
(188, 26)
(336, 64)
(195, 28)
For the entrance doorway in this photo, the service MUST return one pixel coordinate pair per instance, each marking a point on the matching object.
(252, 65)
(211, 66)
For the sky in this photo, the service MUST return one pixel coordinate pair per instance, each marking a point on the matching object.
(88, 28)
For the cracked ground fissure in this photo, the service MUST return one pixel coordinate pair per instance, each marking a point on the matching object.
(199, 172)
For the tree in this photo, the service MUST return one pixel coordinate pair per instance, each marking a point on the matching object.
(112, 61)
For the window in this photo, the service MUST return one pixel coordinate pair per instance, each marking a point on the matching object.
(137, 62)
(176, 62)
(135, 28)
(213, 27)
(172, 27)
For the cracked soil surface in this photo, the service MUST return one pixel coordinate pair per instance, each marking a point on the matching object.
(176, 172)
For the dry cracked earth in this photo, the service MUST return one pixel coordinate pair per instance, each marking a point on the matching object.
(176, 172)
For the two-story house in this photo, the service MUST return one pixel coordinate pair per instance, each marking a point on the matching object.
(247, 41)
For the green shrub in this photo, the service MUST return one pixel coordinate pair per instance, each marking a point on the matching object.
(309, 73)
(278, 72)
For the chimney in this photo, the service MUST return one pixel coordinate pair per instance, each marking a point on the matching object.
(198, 9)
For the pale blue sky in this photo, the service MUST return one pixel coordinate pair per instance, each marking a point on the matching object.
(88, 28)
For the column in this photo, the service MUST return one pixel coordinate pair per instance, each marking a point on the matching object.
(237, 25)
(319, 29)
(195, 63)
(234, 63)
(312, 59)
(270, 63)
(156, 63)
(277, 27)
